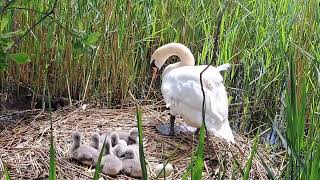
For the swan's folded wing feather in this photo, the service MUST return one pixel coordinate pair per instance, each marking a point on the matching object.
(183, 85)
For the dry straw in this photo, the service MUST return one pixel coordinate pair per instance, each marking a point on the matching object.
(24, 144)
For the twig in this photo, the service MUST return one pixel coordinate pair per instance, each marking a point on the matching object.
(217, 35)
(5, 7)
(51, 17)
(215, 55)
(38, 22)
(27, 9)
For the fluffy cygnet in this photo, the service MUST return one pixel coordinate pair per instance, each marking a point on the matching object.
(135, 149)
(116, 140)
(119, 150)
(131, 137)
(97, 142)
(112, 165)
(131, 165)
(83, 153)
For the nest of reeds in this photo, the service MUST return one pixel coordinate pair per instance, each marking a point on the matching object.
(25, 142)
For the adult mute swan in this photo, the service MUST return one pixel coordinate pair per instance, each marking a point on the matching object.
(182, 93)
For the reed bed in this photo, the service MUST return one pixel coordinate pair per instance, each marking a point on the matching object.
(102, 49)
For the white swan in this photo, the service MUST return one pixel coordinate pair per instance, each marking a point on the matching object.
(182, 93)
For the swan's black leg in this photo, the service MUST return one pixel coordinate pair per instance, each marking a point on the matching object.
(172, 120)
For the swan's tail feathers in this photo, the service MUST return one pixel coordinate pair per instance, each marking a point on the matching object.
(223, 67)
(222, 131)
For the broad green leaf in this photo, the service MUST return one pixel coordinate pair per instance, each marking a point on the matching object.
(93, 38)
(4, 22)
(20, 58)
(80, 26)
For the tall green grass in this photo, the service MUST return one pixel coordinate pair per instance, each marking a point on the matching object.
(303, 144)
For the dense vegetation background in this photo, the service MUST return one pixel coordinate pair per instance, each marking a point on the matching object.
(94, 49)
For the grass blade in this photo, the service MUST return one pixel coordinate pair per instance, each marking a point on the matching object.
(252, 154)
(188, 171)
(141, 152)
(6, 173)
(97, 171)
(52, 166)
(198, 165)
(315, 167)
(269, 171)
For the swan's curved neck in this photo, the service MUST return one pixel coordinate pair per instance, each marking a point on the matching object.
(173, 49)
(184, 53)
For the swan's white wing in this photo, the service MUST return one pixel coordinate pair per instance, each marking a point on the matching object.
(183, 85)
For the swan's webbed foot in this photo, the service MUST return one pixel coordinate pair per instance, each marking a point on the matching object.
(168, 129)
(164, 129)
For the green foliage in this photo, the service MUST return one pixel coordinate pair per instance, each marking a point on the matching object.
(93, 38)
(303, 145)
(7, 41)
(20, 58)
(6, 44)
(4, 22)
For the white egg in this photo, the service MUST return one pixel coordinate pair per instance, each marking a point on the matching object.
(167, 170)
